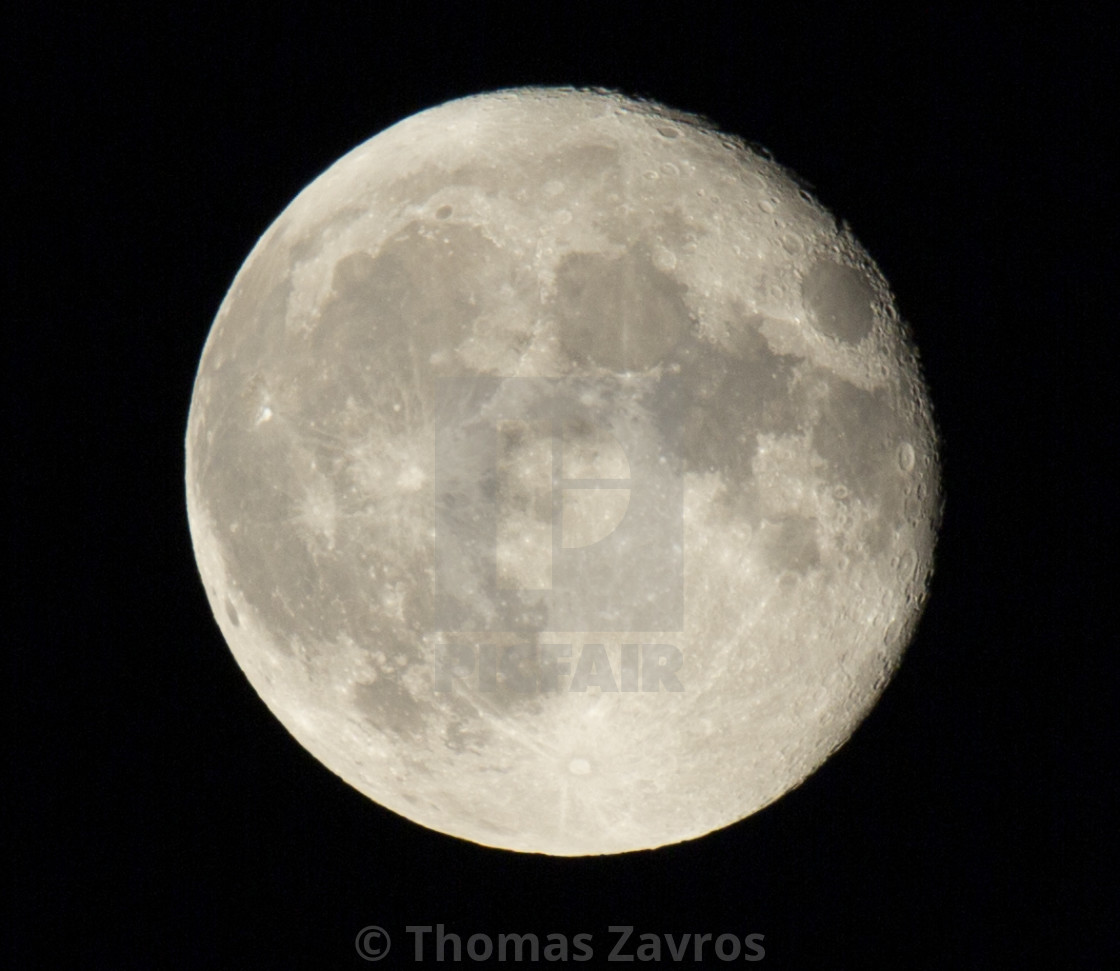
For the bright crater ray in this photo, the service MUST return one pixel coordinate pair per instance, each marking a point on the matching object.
(561, 474)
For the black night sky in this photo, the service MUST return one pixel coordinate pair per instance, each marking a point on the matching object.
(160, 817)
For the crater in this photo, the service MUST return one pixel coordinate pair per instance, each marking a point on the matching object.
(464, 731)
(855, 430)
(838, 299)
(790, 544)
(857, 434)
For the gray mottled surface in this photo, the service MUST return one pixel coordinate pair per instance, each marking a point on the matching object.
(745, 339)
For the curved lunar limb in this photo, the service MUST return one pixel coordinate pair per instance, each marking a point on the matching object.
(561, 474)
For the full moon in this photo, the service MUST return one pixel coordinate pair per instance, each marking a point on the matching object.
(561, 473)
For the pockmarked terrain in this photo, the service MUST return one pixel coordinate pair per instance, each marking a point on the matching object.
(533, 390)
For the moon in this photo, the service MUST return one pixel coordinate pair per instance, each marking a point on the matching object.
(561, 473)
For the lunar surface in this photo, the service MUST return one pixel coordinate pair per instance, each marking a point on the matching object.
(561, 474)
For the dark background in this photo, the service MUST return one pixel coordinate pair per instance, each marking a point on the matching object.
(161, 817)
